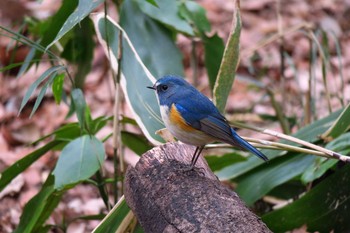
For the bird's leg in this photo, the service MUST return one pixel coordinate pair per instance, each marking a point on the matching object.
(196, 155)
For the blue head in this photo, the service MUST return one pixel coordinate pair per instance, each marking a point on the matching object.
(171, 88)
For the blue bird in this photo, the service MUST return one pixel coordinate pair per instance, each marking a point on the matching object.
(193, 119)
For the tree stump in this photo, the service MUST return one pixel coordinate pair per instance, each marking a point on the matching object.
(166, 196)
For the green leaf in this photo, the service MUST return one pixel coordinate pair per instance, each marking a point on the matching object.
(55, 23)
(136, 143)
(341, 125)
(135, 75)
(195, 14)
(229, 63)
(218, 162)
(153, 2)
(324, 209)
(288, 190)
(321, 165)
(19, 166)
(144, 32)
(115, 219)
(39, 208)
(70, 131)
(317, 169)
(309, 133)
(266, 178)
(85, 7)
(79, 106)
(32, 87)
(11, 66)
(79, 160)
(213, 50)
(57, 87)
(27, 61)
(42, 93)
(167, 12)
(79, 50)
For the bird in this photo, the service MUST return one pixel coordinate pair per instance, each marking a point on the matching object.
(193, 118)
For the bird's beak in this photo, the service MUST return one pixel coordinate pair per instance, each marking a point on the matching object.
(153, 88)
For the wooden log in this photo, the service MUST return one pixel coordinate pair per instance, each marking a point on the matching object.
(166, 196)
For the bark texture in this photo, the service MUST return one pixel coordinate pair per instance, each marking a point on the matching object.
(166, 196)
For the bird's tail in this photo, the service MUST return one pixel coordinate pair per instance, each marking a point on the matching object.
(247, 146)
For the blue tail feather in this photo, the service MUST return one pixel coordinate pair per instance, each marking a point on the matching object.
(247, 146)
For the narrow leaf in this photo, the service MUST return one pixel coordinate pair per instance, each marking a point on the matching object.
(267, 178)
(42, 93)
(85, 7)
(309, 133)
(324, 209)
(79, 106)
(214, 49)
(55, 23)
(137, 143)
(229, 63)
(32, 87)
(135, 75)
(218, 162)
(27, 62)
(39, 208)
(139, 26)
(341, 125)
(167, 12)
(195, 14)
(57, 87)
(115, 219)
(321, 165)
(19, 166)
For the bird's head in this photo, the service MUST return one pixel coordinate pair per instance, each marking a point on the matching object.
(169, 87)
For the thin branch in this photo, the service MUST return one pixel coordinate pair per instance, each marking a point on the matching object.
(330, 153)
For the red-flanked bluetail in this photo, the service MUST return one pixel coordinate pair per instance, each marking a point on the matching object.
(193, 119)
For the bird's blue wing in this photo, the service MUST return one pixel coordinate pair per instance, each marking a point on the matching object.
(202, 114)
(202, 117)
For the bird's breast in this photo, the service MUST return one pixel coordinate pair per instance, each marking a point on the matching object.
(178, 127)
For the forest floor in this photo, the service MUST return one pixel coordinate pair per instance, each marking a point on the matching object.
(260, 62)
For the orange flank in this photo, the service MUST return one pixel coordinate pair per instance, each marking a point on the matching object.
(177, 119)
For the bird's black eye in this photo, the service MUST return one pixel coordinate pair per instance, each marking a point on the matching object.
(164, 87)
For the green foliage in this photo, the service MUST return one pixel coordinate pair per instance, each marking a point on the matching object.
(114, 220)
(79, 160)
(141, 48)
(11, 172)
(229, 63)
(85, 7)
(323, 209)
(51, 73)
(39, 208)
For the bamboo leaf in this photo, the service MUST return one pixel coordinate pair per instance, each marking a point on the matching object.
(341, 125)
(116, 220)
(324, 209)
(166, 12)
(57, 87)
(42, 93)
(229, 63)
(39, 208)
(79, 106)
(32, 87)
(85, 7)
(135, 73)
(266, 178)
(19, 166)
(309, 133)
